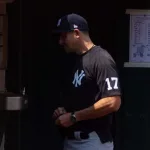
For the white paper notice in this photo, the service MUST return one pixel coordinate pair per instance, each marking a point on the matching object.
(140, 38)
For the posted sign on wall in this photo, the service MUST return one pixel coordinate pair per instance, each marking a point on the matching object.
(139, 36)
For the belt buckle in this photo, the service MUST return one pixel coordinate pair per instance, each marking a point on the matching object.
(77, 135)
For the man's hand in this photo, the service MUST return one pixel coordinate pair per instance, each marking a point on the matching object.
(58, 112)
(64, 120)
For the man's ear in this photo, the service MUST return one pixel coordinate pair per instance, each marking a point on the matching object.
(77, 33)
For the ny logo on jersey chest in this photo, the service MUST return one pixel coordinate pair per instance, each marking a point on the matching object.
(78, 78)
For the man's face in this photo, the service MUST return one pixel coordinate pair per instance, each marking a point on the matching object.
(69, 41)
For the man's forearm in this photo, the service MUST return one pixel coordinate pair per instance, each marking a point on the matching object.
(99, 109)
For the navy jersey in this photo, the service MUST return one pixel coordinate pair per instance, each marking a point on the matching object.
(94, 77)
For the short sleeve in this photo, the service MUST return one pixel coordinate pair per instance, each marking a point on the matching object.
(107, 78)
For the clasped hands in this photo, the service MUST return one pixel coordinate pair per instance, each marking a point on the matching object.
(62, 117)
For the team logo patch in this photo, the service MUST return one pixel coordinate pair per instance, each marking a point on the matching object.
(78, 78)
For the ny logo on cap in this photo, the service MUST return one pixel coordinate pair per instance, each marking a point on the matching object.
(75, 26)
(59, 21)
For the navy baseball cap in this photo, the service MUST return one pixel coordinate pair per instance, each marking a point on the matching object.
(70, 22)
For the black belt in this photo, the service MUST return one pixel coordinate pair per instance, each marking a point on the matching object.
(104, 137)
(78, 135)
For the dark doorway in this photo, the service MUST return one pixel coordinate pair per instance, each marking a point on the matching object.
(46, 59)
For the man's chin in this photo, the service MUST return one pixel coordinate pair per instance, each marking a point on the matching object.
(68, 50)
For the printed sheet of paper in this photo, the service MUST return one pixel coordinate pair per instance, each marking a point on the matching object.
(139, 38)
